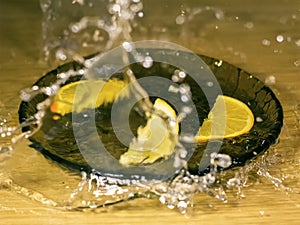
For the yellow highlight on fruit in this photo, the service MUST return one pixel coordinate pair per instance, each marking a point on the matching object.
(156, 140)
(84, 94)
(228, 118)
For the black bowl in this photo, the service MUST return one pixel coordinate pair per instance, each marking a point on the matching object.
(55, 138)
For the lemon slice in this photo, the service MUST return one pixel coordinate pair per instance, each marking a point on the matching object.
(154, 141)
(76, 96)
(228, 118)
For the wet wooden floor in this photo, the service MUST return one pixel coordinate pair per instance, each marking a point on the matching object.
(239, 39)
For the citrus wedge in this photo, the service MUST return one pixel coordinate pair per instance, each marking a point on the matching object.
(228, 118)
(154, 141)
(76, 96)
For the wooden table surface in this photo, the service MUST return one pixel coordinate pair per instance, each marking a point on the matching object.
(239, 39)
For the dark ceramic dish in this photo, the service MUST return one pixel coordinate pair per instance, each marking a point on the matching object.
(55, 139)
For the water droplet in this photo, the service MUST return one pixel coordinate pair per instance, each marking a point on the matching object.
(279, 38)
(297, 63)
(266, 42)
(210, 84)
(80, 2)
(45, 5)
(136, 7)
(170, 206)
(177, 162)
(270, 80)
(54, 88)
(183, 153)
(184, 89)
(115, 8)
(259, 119)
(218, 63)
(186, 109)
(75, 28)
(182, 74)
(148, 62)
(219, 14)
(164, 30)
(48, 91)
(25, 95)
(35, 88)
(62, 76)
(233, 182)
(180, 19)
(81, 72)
(140, 14)
(162, 199)
(221, 160)
(178, 76)
(188, 138)
(249, 25)
(277, 51)
(172, 123)
(184, 98)
(127, 46)
(61, 55)
(39, 115)
(182, 204)
(175, 78)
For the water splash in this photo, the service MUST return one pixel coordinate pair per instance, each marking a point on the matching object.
(10, 136)
(96, 191)
(7, 183)
(97, 26)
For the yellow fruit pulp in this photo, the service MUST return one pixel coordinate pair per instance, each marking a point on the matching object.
(154, 141)
(228, 118)
(84, 94)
